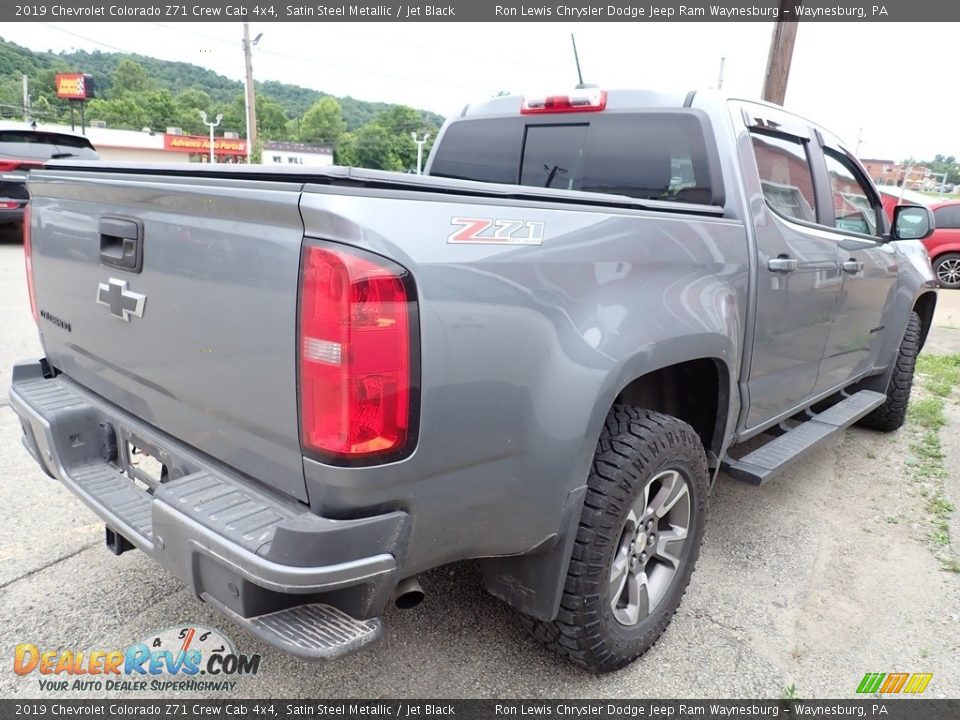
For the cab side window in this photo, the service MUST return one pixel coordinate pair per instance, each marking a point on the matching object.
(853, 208)
(785, 175)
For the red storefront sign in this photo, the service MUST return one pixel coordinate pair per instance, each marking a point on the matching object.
(200, 144)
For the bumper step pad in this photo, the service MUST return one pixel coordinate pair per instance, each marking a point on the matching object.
(770, 460)
(312, 632)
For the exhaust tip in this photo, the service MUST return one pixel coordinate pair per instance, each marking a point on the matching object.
(408, 594)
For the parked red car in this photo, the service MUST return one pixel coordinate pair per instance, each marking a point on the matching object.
(943, 245)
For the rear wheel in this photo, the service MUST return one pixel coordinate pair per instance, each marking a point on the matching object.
(947, 268)
(891, 415)
(637, 543)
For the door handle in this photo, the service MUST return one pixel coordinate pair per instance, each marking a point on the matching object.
(852, 266)
(121, 243)
(782, 264)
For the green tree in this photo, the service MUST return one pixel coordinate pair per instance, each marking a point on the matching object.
(323, 122)
(122, 112)
(41, 109)
(160, 107)
(129, 77)
(271, 119)
(189, 104)
(372, 146)
(401, 122)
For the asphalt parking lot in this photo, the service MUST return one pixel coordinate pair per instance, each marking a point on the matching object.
(812, 581)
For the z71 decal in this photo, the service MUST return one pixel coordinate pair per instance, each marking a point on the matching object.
(496, 232)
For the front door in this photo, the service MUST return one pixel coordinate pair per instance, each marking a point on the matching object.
(868, 269)
(798, 273)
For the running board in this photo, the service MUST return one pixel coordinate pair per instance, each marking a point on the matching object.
(768, 461)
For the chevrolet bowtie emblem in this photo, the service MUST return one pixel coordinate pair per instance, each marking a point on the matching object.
(122, 302)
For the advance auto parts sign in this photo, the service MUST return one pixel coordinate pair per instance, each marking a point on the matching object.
(200, 144)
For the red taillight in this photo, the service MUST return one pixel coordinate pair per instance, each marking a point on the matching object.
(583, 100)
(28, 262)
(9, 165)
(355, 355)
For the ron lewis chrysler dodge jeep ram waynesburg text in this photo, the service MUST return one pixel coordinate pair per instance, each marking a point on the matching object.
(298, 390)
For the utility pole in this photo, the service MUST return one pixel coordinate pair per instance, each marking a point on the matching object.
(420, 144)
(781, 53)
(859, 142)
(723, 61)
(26, 98)
(251, 100)
(903, 185)
(211, 125)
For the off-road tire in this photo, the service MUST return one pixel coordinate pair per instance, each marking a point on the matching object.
(893, 412)
(634, 446)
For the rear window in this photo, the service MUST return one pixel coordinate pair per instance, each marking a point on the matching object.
(44, 145)
(947, 217)
(654, 155)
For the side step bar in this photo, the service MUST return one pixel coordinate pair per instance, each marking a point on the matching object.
(768, 461)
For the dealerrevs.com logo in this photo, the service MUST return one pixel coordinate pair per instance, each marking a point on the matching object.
(189, 658)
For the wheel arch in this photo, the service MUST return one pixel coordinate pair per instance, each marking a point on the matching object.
(533, 582)
(924, 306)
(696, 391)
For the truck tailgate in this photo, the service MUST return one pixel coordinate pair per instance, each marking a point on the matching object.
(200, 341)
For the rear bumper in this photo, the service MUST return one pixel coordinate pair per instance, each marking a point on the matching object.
(248, 551)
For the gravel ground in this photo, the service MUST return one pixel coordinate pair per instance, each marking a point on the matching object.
(814, 580)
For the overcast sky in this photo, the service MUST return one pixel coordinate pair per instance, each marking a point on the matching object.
(898, 82)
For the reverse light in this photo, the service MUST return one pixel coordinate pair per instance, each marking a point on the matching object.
(28, 263)
(581, 100)
(357, 323)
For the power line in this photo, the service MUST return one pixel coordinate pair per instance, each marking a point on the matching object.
(321, 63)
(84, 37)
(214, 68)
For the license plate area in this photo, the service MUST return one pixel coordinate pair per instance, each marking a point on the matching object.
(146, 464)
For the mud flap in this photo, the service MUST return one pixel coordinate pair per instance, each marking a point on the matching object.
(533, 583)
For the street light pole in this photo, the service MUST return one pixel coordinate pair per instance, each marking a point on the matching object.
(420, 144)
(211, 125)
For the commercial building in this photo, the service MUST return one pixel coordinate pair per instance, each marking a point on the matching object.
(166, 147)
(286, 153)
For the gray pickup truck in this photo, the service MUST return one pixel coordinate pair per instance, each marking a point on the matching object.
(298, 390)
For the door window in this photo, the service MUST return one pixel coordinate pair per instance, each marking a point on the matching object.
(853, 207)
(785, 176)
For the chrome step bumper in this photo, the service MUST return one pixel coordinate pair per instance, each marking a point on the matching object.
(242, 548)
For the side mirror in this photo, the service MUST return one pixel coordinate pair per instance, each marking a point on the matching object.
(912, 222)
